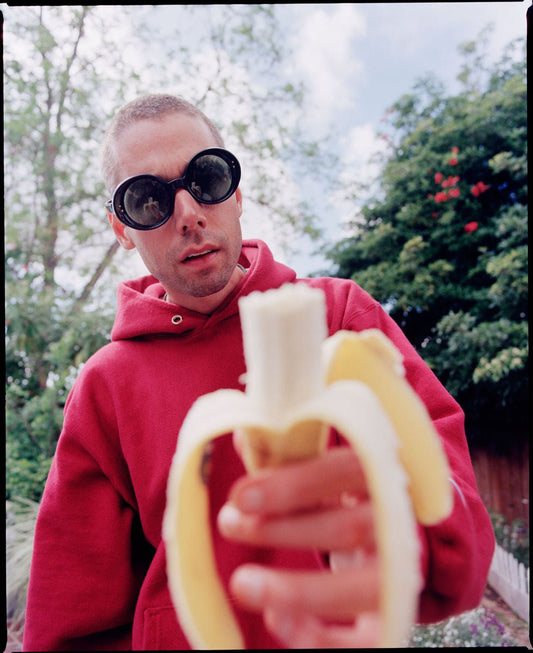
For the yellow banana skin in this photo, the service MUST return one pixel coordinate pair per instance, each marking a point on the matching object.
(370, 357)
(285, 415)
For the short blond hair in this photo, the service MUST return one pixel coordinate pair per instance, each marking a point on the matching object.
(146, 107)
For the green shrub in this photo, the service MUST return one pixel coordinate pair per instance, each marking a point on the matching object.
(513, 537)
(471, 629)
(26, 477)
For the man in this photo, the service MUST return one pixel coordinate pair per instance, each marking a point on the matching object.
(98, 576)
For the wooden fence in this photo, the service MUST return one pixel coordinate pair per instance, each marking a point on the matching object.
(510, 579)
(503, 482)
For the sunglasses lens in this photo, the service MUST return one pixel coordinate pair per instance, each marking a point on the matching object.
(147, 201)
(210, 179)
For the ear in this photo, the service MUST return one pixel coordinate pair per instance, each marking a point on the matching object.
(119, 229)
(238, 198)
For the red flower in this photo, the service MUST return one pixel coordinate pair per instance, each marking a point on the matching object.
(438, 177)
(454, 192)
(451, 181)
(441, 197)
(470, 227)
(479, 188)
(435, 215)
(455, 149)
(452, 162)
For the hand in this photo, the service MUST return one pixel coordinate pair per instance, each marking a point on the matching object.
(321, 504)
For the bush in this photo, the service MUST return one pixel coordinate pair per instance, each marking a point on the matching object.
(26, 477)
(513, 537)
(471, 629)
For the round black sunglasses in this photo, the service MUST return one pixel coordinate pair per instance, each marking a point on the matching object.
(147, 202)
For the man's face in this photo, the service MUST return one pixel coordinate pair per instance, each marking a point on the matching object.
(195, 253)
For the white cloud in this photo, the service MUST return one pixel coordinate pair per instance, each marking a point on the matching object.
(362, 142)
(324, 57)
(360, 145)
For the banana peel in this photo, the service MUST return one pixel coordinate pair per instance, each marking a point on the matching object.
(370, 357)
(299, 384)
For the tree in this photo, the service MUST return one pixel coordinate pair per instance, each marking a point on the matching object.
(65, 75)
(52, 223)
(237, 77)
(443, 244)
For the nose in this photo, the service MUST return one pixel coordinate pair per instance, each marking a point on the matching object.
(188, 214)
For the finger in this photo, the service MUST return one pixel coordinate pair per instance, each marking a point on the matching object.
(342, 528)
(306, 631)
(302, 485)
(339, 596)
(341, 560)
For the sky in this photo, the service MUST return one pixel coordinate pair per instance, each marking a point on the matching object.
(372, 53)
(356, 60)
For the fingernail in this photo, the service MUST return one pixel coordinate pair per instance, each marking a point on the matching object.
(229, 519)
(248, 584)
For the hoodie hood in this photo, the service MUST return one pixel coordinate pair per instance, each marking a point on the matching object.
(142, 311)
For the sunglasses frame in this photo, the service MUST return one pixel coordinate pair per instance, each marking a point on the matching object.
(116, 204)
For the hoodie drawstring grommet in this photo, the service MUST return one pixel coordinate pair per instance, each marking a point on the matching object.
(177, 319)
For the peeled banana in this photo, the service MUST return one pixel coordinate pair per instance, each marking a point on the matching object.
(299, 383)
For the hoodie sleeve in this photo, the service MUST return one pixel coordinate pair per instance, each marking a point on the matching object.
(456, 554)
(89, 554)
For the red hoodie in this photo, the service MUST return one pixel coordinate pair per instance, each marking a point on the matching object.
(98, 576)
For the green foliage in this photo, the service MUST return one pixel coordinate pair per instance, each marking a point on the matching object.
(477, 628)
(513, 537)
(26, 477)
(34, 406)
(443, 245)
(57, 243)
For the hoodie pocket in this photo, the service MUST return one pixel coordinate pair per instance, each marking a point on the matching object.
(161, 631)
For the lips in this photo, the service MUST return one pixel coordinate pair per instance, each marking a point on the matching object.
(198, 254)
